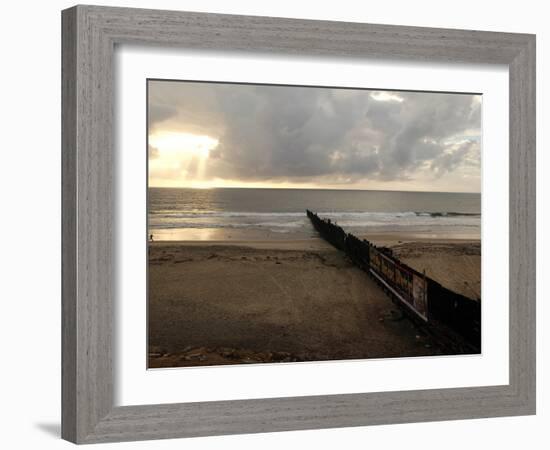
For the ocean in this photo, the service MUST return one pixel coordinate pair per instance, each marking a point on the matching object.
(250, 214)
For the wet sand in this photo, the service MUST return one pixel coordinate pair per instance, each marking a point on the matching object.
(217, 303)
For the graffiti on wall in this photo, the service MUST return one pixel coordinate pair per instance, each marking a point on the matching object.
(408, 285)
(422, 295)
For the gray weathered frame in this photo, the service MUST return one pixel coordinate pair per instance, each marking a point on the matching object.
(89, 36)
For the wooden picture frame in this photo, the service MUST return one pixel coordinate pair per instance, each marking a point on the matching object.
(90, 34)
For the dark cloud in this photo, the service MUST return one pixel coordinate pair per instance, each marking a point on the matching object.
(297, 133)
(160, 112)
(451, 159)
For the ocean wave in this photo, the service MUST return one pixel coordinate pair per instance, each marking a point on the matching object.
(282, 225)
(287, 221)
(222, 214)
(206, 214)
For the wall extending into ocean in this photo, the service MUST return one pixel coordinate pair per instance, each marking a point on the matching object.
(455, 320)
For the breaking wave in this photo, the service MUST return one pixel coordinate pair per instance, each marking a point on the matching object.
(287, 221)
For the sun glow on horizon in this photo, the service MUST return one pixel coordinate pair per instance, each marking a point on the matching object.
(221, 183)
(183, 143)
(181, 160)
(179, 156)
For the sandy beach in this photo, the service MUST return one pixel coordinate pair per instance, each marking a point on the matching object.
(230, 302)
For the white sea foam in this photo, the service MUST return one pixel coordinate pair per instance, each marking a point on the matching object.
(282, 221)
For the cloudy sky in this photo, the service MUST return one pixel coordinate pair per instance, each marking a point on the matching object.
(216, 135)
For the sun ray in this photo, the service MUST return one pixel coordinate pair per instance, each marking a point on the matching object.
(179, 156)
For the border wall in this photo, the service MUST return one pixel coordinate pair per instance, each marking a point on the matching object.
(453, 319)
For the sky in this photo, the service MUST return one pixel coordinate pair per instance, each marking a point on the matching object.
(205, 135)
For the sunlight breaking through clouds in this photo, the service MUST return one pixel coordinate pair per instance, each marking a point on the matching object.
(386, 96)
(178, 156)
(216, 134)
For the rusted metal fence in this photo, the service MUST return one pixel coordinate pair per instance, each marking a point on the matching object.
(447, 313)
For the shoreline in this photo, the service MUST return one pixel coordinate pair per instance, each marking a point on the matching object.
(382, 239)
(307, 233)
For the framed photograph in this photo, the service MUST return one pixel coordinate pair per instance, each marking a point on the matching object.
(278, 224)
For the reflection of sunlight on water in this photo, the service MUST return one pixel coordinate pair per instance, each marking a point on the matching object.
(267, 234)
(189, 234)
(225, 234)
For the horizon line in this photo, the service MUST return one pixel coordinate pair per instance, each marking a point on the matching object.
(308, 189)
